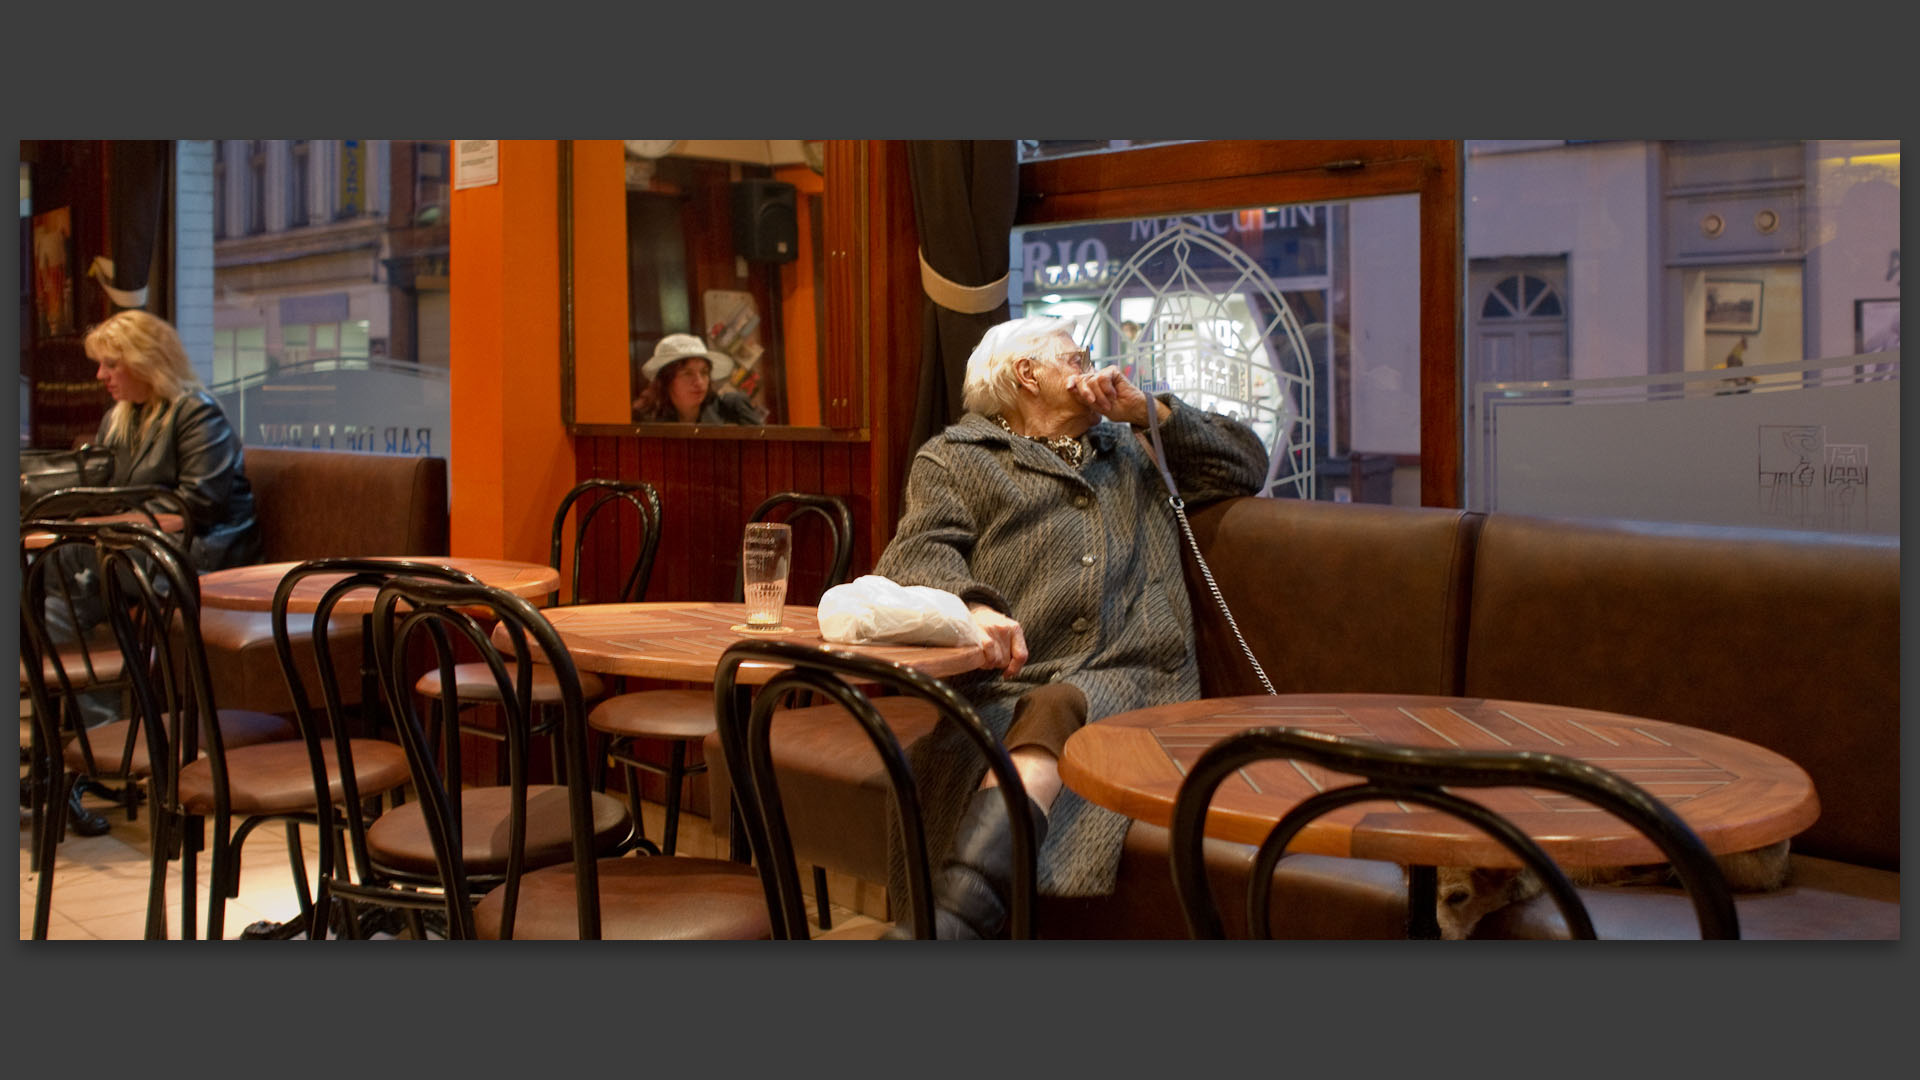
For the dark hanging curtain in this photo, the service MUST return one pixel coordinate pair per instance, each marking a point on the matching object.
(138, 181)
(964, 193)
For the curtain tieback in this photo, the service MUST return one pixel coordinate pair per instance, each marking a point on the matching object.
(966, 299)
(102, 270)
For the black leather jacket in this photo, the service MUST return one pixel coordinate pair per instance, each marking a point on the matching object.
(197, 453)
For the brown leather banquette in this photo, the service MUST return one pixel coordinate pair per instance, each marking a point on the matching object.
(1785, 639)
(314, 504)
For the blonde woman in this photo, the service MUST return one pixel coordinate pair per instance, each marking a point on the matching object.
(164, 428)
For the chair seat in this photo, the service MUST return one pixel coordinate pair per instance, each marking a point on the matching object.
(275, 778)
(238, 728)
(474, 682)
(399, 841)
(104, 651)
(646, 898)
(656, 714)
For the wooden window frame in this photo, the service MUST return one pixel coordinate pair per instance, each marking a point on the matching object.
(1187, 178)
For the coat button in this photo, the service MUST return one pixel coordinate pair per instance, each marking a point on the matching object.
(1086, 560)
(1081, 625)
(1080, 501)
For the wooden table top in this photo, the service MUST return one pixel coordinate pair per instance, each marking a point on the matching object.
(250, 588)
(683, 640)
(1736, 796)
(173, 523)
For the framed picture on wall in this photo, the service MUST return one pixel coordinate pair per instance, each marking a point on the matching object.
(1876, 326)
(1733, 307)
(53, 273)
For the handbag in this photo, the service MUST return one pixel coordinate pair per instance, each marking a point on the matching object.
(46, 471)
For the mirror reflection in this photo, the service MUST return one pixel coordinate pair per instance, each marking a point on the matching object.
(726, 292)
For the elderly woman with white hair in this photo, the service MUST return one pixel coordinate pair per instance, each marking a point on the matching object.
(1044, 511)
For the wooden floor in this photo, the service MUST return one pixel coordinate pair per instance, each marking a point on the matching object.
(100, 882)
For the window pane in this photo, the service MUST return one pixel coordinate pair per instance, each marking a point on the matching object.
(353, 339)
(368, 275)
(1721, 286)
(1036, 149)
(1302, 320)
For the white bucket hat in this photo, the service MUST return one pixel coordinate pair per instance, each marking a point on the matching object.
(679, 347)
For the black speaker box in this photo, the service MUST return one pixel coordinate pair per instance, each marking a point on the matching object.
(765, 222)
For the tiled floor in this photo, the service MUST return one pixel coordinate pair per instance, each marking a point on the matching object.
(100, 882)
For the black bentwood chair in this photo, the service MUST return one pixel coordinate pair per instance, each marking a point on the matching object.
(473, 684)
(206, 762)
(683, 717)
(1421, 776)
(72, 665)
(108, 760)
(54, 674)
(746, 723)
(391, 859)
(589, 895)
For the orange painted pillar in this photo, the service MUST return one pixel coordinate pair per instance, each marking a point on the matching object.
(511, 459)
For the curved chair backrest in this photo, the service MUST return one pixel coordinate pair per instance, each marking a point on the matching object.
(148, 500)
(746, 740)
(46, 735)
(153, 604)
(351, 574)
(598, 494)
(790, 506)
(1421, 776)
(66, 571)
(451, 612)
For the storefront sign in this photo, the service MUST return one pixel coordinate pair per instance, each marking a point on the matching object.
(1285, 241)
(325, 436)
(353, 177)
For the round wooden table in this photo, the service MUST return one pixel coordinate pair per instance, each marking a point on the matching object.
(683, 640)
(1736, 796)
(251, 588)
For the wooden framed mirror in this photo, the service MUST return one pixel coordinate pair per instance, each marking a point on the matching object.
(755, 246)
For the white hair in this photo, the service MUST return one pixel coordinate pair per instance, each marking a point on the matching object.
(990, 386)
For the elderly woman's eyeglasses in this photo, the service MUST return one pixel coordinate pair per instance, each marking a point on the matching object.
(1081, 361)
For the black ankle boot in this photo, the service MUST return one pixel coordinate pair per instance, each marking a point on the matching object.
(970, 892)
(83, 821)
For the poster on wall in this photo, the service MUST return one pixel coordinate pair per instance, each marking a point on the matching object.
(53, 275)
(1733, 307)
(476, 162)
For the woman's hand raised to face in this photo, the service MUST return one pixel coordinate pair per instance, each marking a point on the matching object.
(1002, 643)
(1110, 394)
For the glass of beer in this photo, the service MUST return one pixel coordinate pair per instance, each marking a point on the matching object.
(764, 557)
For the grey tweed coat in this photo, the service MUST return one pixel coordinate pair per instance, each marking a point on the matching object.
(1089, 563)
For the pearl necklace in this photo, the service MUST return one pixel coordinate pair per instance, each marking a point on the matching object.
(1071, 450)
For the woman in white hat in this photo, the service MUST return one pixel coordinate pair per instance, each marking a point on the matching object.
(681, 376)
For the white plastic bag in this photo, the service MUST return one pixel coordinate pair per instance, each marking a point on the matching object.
(874, 610)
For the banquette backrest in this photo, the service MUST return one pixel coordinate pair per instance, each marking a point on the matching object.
(1786, 639)
(317, 503)
(1333, 598)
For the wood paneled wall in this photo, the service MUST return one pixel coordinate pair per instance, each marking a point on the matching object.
(707, 489)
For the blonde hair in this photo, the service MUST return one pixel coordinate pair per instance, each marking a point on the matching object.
(991, 384)
(146, 347)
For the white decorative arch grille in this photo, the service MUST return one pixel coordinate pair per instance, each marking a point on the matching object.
(1236, 350)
